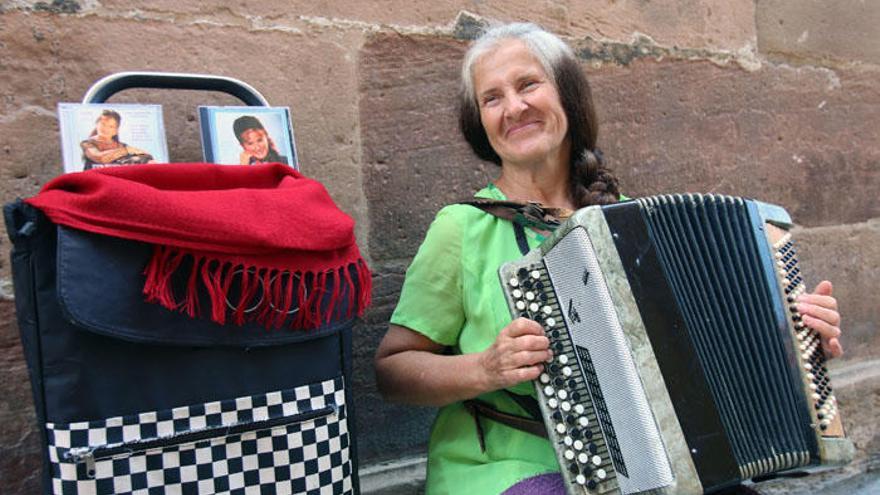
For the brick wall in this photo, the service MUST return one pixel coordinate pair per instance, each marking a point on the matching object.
(779, 100)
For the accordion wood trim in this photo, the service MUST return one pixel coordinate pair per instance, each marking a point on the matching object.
(604, 472)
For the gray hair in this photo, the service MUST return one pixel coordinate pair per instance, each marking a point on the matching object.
(546, 47)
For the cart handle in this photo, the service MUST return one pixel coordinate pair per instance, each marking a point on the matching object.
(114, 83)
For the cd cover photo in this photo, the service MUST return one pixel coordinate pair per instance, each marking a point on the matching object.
(247, 135)
(104, 135)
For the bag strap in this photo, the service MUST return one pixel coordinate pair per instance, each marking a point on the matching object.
(480, 409)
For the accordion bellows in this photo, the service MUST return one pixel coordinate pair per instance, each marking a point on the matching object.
(680, 363)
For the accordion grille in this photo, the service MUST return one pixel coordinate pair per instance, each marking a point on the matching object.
(708, 248)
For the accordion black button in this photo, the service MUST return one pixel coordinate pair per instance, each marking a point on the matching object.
(559, 382)
(592, 448)
(554, 368)
(557, 416)
(571, 420)
(573, 468)
(591, 484)
(523, 273)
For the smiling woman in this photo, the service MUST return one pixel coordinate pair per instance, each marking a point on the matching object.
(526, 106)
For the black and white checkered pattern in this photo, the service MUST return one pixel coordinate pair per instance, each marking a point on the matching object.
(286, 442)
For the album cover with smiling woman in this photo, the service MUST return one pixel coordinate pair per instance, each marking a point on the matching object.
(107, 135)
(247, 135)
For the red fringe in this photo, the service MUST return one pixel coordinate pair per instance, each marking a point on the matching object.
(270, 297)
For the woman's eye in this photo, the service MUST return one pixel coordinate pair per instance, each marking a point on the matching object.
(488, 100)
(529, 85)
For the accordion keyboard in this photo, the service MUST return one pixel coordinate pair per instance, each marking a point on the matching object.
(572, 401)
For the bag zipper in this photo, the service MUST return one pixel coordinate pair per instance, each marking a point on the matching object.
(90, 455)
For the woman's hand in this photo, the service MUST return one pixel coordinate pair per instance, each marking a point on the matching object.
(819, 312)
(516, 355)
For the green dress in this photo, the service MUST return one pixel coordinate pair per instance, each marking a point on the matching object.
(452, 295)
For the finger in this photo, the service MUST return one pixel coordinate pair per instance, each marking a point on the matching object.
(825, 329)
(818, 300)
(523, 326)
(519, 375)
(531, 343)
(827, 315)
(824, 288)
(528, 358)
(832, 348)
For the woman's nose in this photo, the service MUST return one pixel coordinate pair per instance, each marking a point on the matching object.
(516, 104)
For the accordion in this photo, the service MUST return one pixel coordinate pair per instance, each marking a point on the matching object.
(680, 364)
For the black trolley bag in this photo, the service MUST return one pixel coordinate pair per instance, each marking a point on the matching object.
(133, 398)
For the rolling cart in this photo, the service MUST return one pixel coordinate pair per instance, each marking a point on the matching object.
(134, 398)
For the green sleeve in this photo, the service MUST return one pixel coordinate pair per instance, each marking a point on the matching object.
(431, 299)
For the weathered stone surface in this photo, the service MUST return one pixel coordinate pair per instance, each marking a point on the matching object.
(414, 159)
(840, 30)
(849, 256)
(803, 138)
(20, 451)
(713, 24)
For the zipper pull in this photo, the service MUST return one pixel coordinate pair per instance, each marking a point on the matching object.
(83, 455)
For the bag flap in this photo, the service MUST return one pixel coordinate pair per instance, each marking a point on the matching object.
(100, 283)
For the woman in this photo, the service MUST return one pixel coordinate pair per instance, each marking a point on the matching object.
(527, 107)
(257, 146)
(103, 147)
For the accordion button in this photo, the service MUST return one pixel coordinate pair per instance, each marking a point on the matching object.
(562, 394)
(573, 468)
(568, 441)
(579, 408)
(549, 390)
(550, 322)
(554, 368)
(563, 359)
(559, 382)
(536, 274)
(569, 454)
(517, 293)
(583, 421)
(570, 420)
(547, 310)
(533, 307)
(593, 448)
(552, 402)
(592, 484)
(566, 371)
(513, 282)
(578, 445)
(583, 458)
(580, 479)
(601, 474)
(565, 406)
(545, 378)
(520, 305)
(597, 461)
(530, 296)
(522, 272)
(560, 428)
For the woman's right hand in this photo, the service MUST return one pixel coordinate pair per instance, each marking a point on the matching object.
(517, 355)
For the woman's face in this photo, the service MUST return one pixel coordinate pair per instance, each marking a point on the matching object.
(106, 127)
(519, 105)
(255, 142)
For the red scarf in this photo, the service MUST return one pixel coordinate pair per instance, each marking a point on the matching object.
(273, 235)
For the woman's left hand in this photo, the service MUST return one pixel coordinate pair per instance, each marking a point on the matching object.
(819, 312)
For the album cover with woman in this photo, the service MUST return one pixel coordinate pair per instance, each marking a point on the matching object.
(105, 135)
(247, 135)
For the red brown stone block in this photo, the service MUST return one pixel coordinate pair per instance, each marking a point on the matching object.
(804, 138)
(837, 31)
(20, 451)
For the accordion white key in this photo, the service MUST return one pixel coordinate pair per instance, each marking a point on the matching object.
(680, 362)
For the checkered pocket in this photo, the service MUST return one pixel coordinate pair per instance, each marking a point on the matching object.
(290, 441)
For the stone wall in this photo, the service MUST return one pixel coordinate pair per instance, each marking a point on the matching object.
(779, 100)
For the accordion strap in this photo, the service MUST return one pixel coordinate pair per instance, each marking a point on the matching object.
(520, 215)
(480, 409)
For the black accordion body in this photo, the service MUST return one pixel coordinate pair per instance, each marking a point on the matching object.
(680, 362)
